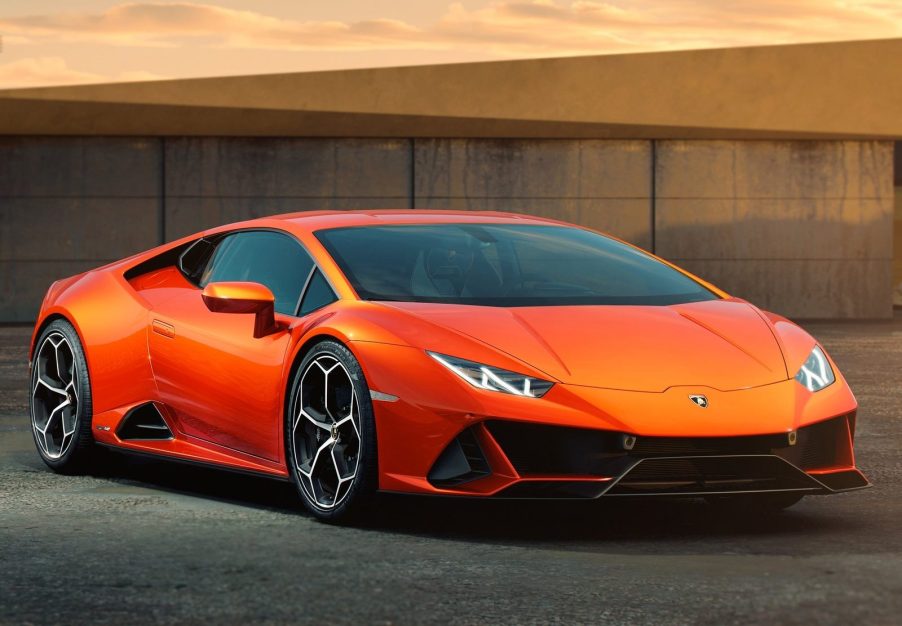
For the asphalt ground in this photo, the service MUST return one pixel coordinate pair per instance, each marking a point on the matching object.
(154, 542)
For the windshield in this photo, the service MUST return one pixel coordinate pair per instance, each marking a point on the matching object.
(502, 265)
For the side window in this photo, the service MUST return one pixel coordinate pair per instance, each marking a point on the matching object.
(264, 257)
(195, 258)
(318, 295)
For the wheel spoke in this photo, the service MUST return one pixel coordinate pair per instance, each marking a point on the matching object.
(342, 483)
(47, 444)
(318, 423)
(326, 403)
(352, 413)
(56, 356)
(338, 475)
(72, 388)
(328, 442)
(67, 416)
(53, 414)
(46, 384)
(63, 357)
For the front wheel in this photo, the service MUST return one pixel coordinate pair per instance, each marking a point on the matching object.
(331, 433)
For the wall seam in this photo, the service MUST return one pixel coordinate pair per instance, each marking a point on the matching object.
(412, 190)
(161, 217)
(654, 196)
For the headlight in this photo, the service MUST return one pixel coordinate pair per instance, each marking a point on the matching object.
(816, 372)
(493, 378)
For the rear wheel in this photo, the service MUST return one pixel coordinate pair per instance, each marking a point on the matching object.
(60, 400)
(755, 503)
(331, 434)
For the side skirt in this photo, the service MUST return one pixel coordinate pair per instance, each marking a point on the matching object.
(162, 456)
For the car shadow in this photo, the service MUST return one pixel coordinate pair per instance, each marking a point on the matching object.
(191, 479)
(642, 523)
(630, 523)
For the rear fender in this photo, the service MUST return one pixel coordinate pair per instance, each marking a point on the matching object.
(111, 322)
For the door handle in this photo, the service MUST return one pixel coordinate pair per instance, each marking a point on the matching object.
(162, 328)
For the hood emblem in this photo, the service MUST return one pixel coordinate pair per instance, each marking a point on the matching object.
(700, 401)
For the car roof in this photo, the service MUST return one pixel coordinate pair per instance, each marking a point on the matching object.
(320, 220)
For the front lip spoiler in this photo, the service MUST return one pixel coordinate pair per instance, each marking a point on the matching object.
(841, 481)
(817, 485)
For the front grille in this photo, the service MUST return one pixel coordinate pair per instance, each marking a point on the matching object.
(563, 451)
(542, 449)
(758, 444)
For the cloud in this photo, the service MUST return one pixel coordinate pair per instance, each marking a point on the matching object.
(38, 71)
(176, 23)
(586, 27)
(506, 28)
(498, 30)
(41, 71)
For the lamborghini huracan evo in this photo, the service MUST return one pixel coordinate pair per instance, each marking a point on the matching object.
(437, 352)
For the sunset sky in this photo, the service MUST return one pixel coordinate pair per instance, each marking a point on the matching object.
(77, 41)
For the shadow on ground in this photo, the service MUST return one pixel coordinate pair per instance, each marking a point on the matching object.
(496, 521)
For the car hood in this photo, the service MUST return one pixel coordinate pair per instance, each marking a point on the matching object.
(723, 344)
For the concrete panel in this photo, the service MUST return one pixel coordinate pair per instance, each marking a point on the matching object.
(33, 229)
(804, 288)
(185, 215)
(520, 169)
(624, 218)
(743, 228)
(274, 167)
(897, 245)
(79, 166)
(774, 169)
(24, 283)
(804, 228)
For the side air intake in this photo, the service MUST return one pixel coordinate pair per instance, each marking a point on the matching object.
(461, 462)
(143, 422)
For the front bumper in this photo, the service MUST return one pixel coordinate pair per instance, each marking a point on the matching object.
(443, 437)
(554, 462)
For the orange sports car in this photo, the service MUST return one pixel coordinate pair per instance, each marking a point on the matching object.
(438, 352)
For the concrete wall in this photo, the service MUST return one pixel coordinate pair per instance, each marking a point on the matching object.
(212, 181)
(897, 249)
(803, 228)
(897, 228)
(599, 183)
(70, 204)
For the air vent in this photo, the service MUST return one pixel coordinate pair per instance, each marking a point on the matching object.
(559, 450)
(461, 462)
(143, 422)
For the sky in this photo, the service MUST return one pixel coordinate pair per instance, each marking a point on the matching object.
(58, 42)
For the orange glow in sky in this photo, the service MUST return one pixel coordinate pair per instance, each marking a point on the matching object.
(47, 42)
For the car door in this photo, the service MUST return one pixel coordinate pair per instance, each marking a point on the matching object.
(224, 384)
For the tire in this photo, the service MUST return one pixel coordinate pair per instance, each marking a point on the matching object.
(60, 381)
(330, 434)
(755, 504)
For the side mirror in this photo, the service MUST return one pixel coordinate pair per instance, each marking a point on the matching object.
(243, 298)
